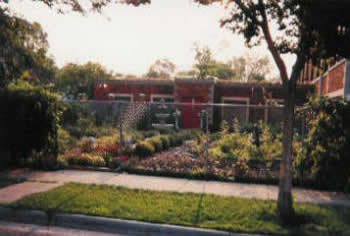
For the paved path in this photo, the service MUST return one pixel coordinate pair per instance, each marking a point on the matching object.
(38, 181)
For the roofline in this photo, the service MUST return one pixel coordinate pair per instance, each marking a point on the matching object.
(219, 83)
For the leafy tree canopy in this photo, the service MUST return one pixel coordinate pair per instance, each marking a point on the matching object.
(250, 68)
(23, 51)
(74, 80)
(161, 68)
(203, 58)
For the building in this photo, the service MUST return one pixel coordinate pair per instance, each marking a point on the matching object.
(252, 101)
(333, 82)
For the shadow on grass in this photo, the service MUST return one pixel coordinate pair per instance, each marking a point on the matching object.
(197, 217)
(311, 219)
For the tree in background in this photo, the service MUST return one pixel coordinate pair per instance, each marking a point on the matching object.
(221, 70)
(186, 73)
(250, 68)
(161, 68)
(203, 59)
(245, 68)
(74, 81)
(23, 51)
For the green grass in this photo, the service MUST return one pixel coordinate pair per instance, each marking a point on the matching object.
(198, 210)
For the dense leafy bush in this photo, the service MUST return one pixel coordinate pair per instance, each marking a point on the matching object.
(144, 149)
(165, 141)
(65, 140)
(29, 120)
(84, 159)
(326, 152)
(156, 142)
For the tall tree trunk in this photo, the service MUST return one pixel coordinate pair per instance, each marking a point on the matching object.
(285, 202)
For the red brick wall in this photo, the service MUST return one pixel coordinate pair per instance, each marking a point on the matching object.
(317, 87)
(336, 78)
(324, 83)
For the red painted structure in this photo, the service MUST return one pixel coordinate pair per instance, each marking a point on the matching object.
(198, 91)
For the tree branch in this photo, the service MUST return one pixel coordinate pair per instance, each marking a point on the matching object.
(271, 45)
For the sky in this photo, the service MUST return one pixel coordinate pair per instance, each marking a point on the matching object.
(129, 39)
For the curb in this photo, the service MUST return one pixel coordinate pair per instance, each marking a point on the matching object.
(103, 224)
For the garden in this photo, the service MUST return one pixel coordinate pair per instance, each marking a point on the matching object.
(85, 136)
(241, 153)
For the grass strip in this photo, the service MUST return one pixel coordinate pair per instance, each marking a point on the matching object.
(189, 209)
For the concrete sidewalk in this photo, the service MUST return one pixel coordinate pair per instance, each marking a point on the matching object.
(38, 181)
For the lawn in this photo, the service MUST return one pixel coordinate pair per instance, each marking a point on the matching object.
(198, 210)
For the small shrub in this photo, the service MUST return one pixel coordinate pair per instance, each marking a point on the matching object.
(177, 140)
(144, 149)
(86, 159)
(165, 141)
(150, 133)
(157, 143)
(116, 162)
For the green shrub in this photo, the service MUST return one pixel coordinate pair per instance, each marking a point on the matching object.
(165, 141)
(171, 140)
(86, 159)
(29, 121)
(157, 143)
(144, 149)
(65, 140)
(327, 146)
(177, 139)
(150, 133)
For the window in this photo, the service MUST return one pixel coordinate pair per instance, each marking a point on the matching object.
(122, 97)
(162, 98)
(239, 112)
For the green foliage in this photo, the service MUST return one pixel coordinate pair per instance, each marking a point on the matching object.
(242, 144)
(221, 70)
(23, 51)
(162, 68)
(30, 121)
(165, 141)
(203, 59)
(144, 149)
(327, 145)
(65, 140)
(156, 143)
(75, 81)
(86, 159)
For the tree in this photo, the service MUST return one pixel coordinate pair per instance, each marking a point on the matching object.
(186, 73)
(161, 68)
(203, 60)
(74, 80)
(296, 35)
(23, 51)
(250, 68)
(221, 70)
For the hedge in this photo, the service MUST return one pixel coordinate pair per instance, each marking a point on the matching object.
(28, 121)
